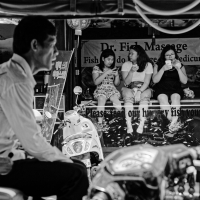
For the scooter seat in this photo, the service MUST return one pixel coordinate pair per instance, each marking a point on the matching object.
(10, 194)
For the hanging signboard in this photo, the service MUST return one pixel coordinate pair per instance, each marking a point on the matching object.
(188, 49)
(55, 88)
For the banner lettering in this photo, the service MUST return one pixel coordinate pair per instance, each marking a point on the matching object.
(188, 49)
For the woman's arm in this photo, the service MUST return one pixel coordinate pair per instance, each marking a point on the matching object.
(117, 79)
(146, 82)
(144, 87)
(181, 71)
(157, 75)
(127, 75)
(97, 79)
(182, 75)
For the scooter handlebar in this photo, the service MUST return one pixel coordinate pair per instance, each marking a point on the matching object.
(89, 103)
(81, 107)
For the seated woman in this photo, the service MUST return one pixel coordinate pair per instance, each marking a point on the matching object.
(136, 74)
(106, 77)
(169, 73)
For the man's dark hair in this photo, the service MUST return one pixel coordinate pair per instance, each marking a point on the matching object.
(29, 28)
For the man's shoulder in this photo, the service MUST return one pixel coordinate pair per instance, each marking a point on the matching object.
(5, 80)
(4, 71)
(10, 74)
(15, 71)
(3, 68)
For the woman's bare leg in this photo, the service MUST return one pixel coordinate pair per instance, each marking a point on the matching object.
(128, 96)
(116, 102)
(143, 108)
(175, 106)
(101, 106)
(164, 105)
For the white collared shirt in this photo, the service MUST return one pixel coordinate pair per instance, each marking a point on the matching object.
(16, 116)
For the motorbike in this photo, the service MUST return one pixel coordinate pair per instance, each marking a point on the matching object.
(81, 138)
(145, 172)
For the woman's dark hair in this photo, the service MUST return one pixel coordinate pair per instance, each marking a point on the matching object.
(142, 59)
(105, 54)
(161, 59)
(29, 28)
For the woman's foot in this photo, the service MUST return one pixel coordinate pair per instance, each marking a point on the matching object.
(140, 129)
(175, 126)
(100, 129)
(100, 125)
(141, 126)
(129, 127)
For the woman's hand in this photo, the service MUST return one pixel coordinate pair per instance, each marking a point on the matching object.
(137, 96)
(116, 73)
(176, 64)
(109, 71)
(134, 68)
(166, 67)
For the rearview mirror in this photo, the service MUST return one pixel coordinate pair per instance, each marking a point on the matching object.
(78, 90)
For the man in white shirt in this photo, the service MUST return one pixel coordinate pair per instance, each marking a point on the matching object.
(50, 172)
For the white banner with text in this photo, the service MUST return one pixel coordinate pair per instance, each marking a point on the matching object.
(188, 49)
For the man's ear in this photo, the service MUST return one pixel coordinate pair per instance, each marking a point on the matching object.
(34, 45)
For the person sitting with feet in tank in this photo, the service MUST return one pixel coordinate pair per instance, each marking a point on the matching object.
(169, 74)
(136, 74)
(106, 77)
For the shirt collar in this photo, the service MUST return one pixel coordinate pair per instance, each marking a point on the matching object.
(25, 66)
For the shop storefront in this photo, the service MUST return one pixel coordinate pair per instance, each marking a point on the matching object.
(117, 36)
(116, 25)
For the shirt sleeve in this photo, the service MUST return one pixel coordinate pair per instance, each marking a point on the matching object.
(149, 69)
(126, 66)
(16, 103)
(95, 69)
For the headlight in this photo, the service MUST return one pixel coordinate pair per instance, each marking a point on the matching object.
(78, 146)
(69, 150)
(87, 145)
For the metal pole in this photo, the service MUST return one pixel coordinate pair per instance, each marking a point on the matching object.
(65, 35)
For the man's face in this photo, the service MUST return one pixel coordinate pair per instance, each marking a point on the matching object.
(46, 54)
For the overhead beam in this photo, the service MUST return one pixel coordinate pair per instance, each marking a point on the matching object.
(66, 9)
